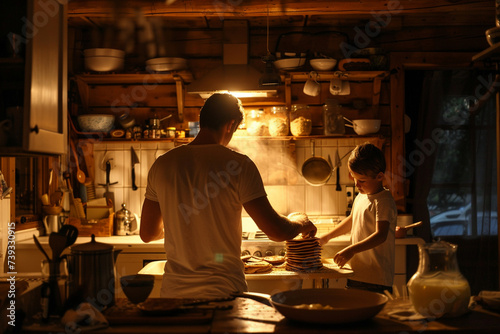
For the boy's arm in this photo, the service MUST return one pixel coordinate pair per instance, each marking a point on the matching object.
(342, 228)
(375, 239)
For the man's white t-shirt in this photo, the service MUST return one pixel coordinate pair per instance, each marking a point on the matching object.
(201, 190)
(375, 265)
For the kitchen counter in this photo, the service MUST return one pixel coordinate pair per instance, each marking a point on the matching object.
(248, 316)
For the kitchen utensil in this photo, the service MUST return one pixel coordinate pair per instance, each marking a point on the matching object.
(108, 194)
(71, 233)
(92, 271)
(316, 170)
(351, 305)
(76, 209)
(51, 223)
(57, 243)
(80, 175)
(39, 246)
(135, 160)
(364, 126)
(401, 231)
(96, 122)
(338, 163)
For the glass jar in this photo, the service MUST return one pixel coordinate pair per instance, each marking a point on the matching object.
(333, 121)
(300, 120)
(278, 122)
(438, 289)
(256, 123)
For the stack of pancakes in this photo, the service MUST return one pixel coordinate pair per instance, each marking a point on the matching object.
(303, 254)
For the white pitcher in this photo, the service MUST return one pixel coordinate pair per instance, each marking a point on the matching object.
(51, 223)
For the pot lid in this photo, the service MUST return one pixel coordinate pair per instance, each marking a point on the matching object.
(92, 247)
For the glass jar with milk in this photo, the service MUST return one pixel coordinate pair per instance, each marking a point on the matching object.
(438, 289)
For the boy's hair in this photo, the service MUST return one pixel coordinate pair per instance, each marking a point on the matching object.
(367, 159)
(219, 109)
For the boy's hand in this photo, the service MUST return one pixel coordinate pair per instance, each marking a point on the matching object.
(342, 257)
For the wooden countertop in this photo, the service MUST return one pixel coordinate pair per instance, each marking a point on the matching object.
(248, 316)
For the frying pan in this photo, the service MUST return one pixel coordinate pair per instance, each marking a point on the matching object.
(349, 305)
(316, 170)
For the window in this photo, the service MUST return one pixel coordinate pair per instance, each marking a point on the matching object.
(457, 150)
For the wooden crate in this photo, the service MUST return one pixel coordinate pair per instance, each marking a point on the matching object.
(98, 227)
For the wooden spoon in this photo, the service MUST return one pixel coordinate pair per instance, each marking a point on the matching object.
(80, 175)
(57, 243)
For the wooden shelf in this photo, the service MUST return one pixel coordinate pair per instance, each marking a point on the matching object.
(133, 78)
(350, 76)
(491, 52)
(174, 77)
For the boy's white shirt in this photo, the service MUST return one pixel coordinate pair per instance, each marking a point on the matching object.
(376, 265)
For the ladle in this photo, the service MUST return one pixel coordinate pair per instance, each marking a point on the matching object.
(80, 175)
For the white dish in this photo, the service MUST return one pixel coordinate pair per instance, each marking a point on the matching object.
(166, 64)
(289, 63)
(323, 64)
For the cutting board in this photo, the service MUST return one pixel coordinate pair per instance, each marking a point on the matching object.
(126, 313)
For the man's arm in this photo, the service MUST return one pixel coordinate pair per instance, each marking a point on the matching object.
(274, 225)
(151, 221)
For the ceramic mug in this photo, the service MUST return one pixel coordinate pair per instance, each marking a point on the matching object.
(312, 86)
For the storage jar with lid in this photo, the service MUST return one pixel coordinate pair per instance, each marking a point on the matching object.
(300, 120)
(333, 121)
(278, 122)
(256, 123)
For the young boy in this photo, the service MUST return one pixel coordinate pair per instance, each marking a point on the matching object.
(371, 223)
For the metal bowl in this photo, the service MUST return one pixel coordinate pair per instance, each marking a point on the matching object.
(164, 64)
(104, 60)
(289, 63)
(96, 122)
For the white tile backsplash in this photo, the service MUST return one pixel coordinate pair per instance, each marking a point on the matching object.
(288, 193)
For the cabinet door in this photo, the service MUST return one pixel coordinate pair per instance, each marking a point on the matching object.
(45, 102)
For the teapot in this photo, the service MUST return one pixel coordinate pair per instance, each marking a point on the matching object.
(92, 272)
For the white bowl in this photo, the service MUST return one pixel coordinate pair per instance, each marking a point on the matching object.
(323, 64)
(164, 64)
(96, 122)
(366, 126)
(289, 63)
(104, 60)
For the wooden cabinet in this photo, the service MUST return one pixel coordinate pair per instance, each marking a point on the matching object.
(40, 112)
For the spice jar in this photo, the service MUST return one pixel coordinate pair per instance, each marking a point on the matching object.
(256, 123)
(333, 121)
(278, 122)
(300, 120)
(171, 132)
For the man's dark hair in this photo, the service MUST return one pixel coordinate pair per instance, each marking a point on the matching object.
(219, 109)
(367, 159)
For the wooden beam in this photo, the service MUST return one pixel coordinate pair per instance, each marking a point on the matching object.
(240, 9)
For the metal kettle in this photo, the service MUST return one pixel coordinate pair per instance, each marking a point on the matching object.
(92, 273)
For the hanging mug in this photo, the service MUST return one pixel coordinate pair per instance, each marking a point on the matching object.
(312, 87)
